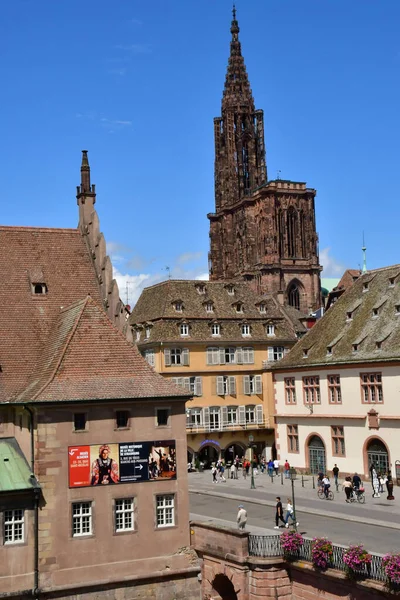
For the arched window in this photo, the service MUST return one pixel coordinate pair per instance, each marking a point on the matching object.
(292, 231)
(294, 296)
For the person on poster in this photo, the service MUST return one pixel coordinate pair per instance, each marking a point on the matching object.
(104, 468)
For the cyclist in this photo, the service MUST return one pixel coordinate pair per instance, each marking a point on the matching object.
(320, 478)
(356, 481)
(327, 484)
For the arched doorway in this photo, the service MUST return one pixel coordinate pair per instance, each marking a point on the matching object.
(207, 455)
(378, 455)
(224, 587)
(233, 450)
(316, 455)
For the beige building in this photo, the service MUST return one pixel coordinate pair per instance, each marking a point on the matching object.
(337, 392)
(93, 472)
(216, 340)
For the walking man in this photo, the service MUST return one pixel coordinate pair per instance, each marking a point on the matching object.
(287, 468)
(241, 517)
(276, 466)
(335, 472)
(279, 513)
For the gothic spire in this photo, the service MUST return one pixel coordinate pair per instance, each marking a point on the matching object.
(237, 91)
(85, 172)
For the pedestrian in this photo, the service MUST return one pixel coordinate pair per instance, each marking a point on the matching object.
(289, 513)
(271, 468)
(262, 465)
(276, 466)
(221, 472)
(214, 473)
(233, 471)
(389, 486)
(287, 469)
(335, 472)
(374, 481)
(241, 517)
(236, 463)
(279, 513)
(247, 467)
(356, 481)
(347, 486)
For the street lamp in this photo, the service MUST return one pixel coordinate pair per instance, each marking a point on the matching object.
(251, 440)
(292, 477)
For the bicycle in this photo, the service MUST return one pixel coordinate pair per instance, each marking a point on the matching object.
(359, 495)
(323, 496)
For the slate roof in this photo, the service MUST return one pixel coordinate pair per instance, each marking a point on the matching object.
(156, 306)
(350, 328)
(15, 472)
(61, 345)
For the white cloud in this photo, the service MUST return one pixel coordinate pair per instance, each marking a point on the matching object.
(203, 276)
(188, 257)
(332, 268)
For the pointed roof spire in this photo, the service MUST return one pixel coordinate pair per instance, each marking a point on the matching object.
(85, 172)
(237, 91)
(364, 251)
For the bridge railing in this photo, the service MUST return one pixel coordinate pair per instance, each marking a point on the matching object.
(270, 545)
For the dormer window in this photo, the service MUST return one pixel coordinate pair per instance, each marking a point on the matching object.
(209, 307)
(391, 281)
(270, 330)
(201, 288)
(305, 352)
(138, 335)
(230, 289)
(262, 308)
(349, 315)
(147, 332)
(355, 347)
(246, 330)
(178, 306)
(184, 329)
(365, 286)
(239, 307)
(215, 329)
(329, 351)
(375, 312)
(39, 289)
(397, 309)
(378, 345)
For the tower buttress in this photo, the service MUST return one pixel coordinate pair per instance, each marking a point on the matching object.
(85, 192)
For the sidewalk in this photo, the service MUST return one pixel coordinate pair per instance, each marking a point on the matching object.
(375, 511)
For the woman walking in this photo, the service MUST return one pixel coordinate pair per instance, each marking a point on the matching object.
(347, 486)
(289, 513)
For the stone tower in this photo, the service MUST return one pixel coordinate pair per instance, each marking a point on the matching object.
(262, 231)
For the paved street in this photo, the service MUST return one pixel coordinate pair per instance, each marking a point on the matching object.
(375, 524)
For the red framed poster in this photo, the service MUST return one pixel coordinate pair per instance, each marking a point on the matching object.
(79, 466)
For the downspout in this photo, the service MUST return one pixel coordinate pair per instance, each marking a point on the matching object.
(36, 492)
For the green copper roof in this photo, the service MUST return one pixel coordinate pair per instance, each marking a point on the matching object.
(15, 473)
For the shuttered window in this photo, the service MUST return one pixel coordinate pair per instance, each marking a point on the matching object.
(252, 384)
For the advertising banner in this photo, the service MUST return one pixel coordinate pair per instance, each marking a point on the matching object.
(128, 462)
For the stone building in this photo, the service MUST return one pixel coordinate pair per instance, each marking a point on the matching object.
(93, 477)
(216, 340)
(337, 391)
(262, 231)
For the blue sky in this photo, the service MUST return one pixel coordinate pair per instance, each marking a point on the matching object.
(138, 84)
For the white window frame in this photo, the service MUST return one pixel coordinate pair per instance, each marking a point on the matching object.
(196, 416)
(252, 385)
(124, 512)
(147, 333)
(246, 330)
(150, 357)
(247, 355)
(165, 511)
(230, 356)
(216, 329)
(178, 307)
(213, 355)
(215, 418)
(184, 330)
(250, 414)
(232, 415)
(82, 519)
(14, 526)
(270, 330)
(209, 307)
(275, 353)
(262, 308)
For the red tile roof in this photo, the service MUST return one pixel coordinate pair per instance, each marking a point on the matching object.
(88, 358)
(48, 352)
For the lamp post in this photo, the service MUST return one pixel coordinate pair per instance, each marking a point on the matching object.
(251, 440)
(293, 477)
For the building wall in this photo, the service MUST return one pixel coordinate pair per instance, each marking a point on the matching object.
(351, 414)
(226, 435)
(104, 556)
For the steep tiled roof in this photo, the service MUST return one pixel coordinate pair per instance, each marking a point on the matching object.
(59, 259)
(157, 305)
(88, 358)
(362, 326)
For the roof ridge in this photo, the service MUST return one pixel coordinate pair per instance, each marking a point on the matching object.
(63, 351)
(42, 229)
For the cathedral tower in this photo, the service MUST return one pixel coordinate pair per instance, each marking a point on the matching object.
(262, 231)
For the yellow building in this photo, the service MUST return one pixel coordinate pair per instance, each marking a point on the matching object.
(216, 339)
